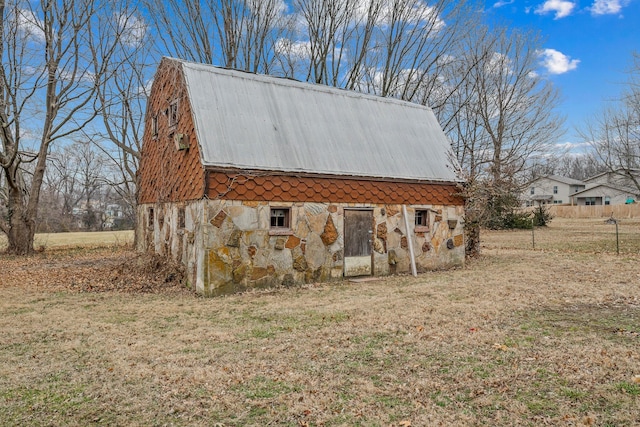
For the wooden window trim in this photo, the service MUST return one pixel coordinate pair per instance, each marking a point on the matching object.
(280, 214)
(181, 218)
(173, 114)
(421, 221)
(154, 126)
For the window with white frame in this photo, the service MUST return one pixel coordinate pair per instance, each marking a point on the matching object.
(555, 189)
(533, 190)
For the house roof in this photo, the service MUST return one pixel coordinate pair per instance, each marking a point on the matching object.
(250, 121)
(562, 179)
(542, 197)
(619, 172)
(619, 189)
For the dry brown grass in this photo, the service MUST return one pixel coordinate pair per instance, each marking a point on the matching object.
(83, 239)
(518, 337)
(574, 235)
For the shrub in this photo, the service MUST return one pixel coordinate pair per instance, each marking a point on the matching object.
(542, 216)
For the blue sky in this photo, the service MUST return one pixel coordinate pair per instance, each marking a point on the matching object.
(594, 40)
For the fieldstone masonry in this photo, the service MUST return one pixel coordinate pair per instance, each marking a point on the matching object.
(228, 246)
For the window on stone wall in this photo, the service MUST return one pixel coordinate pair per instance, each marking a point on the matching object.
(181, 220)
(422, 218)
(173, 113)
(150, 218)
(280, 218)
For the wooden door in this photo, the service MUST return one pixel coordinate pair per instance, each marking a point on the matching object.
(358, 232)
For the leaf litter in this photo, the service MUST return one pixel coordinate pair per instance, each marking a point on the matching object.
(517, 337)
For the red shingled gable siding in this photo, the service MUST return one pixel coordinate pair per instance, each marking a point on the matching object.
(167, 174)
(281, 188)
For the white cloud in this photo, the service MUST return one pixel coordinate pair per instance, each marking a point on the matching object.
(557, 62)
(296, 49)
(501, 3)
(445, 60)
(267, 8)
(145, 90)
(419, 13)
(607, 7)
(562, 8)
(498, 64)
(133, 29)
(428, 14)
(30, 25)
(573, 148)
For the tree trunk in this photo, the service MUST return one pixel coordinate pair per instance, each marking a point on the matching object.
(21, 227)
(472, 231)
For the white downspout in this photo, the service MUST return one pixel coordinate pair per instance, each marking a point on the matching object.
(409, 241)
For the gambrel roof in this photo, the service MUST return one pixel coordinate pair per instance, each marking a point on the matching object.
(250, 121)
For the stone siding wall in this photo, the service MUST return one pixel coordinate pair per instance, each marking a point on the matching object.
(228, 246)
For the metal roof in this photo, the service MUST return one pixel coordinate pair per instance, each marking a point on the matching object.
(251, 121)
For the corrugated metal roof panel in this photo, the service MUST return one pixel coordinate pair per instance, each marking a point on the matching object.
(250, 121)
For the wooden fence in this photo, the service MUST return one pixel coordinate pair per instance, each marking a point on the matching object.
(618, 211)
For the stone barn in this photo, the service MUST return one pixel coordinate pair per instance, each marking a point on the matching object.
(255, 181)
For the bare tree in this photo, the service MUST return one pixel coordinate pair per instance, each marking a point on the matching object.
(122, 96)
(393, 48)
(74, 183)
(47, 93)
(234, 33)
(499, 119)
(614, 132)
(326, 28)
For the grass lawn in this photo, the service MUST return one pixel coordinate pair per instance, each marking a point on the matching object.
(84, 239)
(549, 336)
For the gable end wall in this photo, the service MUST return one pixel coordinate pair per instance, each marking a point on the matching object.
(167, 174)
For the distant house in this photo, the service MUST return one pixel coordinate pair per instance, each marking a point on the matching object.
(611, 188)
(622, 178)
(605, 194)
(254, 181)
(552, 189)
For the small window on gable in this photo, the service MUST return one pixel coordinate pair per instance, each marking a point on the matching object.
(154, 126)
(173, 113)
(150, 218)
(422, 218)
(533, 190)
(280, 217)
(555, 189)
